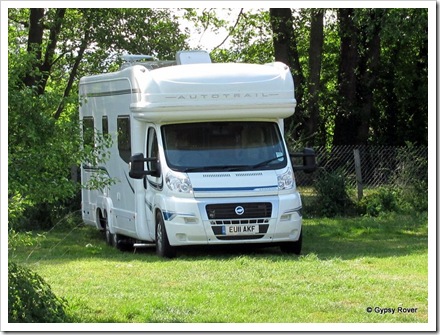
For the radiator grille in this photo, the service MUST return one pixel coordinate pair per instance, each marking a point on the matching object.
(254, 210)
(223, 215)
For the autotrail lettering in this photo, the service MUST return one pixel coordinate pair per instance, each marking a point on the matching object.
(198, 152)
(221, 96)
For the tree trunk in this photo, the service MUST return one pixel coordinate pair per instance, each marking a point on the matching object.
(315, 57)
(281, 22)
(370, 73)
(73, 73)
(346, 121)
(286, 51)
(40, 76)
(35, 41)
(47, 62)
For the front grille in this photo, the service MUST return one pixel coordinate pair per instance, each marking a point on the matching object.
(245, 221)
(225, 215)
(253, 210)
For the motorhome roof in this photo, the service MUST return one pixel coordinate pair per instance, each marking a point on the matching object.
(216, 91)
(211, 91)
(220, 73)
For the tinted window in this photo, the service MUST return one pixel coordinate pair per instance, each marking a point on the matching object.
(88, 131)
(105, 125)
(224, 146)
(152, 149)
(124, 138)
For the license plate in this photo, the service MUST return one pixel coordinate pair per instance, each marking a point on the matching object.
(237, 229)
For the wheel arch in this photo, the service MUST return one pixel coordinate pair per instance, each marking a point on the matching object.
(101, 217)
(105, 208)
(157, 211)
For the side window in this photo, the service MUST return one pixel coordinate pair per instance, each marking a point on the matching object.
(152, 148)
(124, 138)
(105, 125)
(88, 125)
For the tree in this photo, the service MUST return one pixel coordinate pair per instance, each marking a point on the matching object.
(347, 121)
(360, 73)
(286, 50)
(382, 76)
(43, 63)
(369, 70)
(49, 50)
(314, 80)
(248, 38)
(305, 58)
(401, 97)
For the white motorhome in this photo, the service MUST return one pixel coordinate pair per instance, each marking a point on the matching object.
(198, 154)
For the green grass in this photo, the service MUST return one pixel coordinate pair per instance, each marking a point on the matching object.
(347, 265)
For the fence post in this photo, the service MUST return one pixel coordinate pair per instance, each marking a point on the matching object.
(357, 167)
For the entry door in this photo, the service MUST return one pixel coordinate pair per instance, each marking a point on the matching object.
(154, 184)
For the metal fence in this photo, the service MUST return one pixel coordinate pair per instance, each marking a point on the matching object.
(372, 166)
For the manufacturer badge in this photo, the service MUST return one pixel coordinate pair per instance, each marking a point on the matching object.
(239, 210)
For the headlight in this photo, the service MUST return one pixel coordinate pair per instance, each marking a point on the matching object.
(286, 181)
(178, 182)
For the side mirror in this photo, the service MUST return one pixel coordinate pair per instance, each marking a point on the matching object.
(137, 167)
(309, 160)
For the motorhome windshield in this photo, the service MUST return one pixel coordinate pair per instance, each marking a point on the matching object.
(223, 146)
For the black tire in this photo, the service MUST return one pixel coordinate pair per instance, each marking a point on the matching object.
(163, 247)
(121, 242)
(114, 240)
(292, 247)
(108, 235)
(102, 220)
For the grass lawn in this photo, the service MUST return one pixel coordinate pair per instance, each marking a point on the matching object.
(347, 266)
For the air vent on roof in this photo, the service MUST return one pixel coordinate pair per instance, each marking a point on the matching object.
(192, 57)
(136, 58)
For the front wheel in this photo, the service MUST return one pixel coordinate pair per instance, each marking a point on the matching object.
(163, 247)
(292, 247)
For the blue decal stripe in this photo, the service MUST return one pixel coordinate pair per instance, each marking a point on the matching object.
(168, 215)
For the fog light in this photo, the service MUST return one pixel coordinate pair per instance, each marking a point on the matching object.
(190, 220)
(181, 237)
(286, 217)
(294, 234)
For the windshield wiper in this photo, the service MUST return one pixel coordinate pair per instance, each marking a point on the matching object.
(214, 168)
(267, 162)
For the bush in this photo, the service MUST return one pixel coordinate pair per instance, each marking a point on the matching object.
(379, 201)
(30, 298)
(411, 176)
(331, 194)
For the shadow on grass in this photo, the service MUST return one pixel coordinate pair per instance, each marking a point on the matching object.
(349, 238)
(344, 238)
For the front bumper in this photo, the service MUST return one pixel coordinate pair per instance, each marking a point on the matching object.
(189, 222)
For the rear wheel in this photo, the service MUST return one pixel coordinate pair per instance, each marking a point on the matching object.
(292, 247)
(121, 242)
(163, 247)
(115, 240)
(108, 235)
